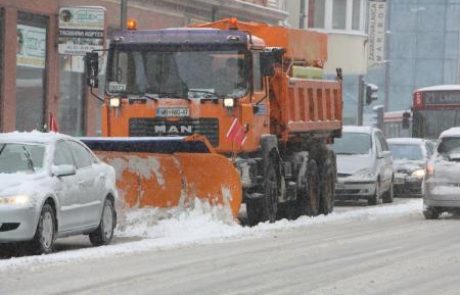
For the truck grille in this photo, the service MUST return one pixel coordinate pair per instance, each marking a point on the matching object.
(159, 127)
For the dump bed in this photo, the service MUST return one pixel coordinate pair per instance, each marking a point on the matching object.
(313, 105)
(304, 45)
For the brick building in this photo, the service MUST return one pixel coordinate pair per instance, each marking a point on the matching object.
(35, 81)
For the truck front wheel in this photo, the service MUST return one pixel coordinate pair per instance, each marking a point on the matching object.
(266, 207)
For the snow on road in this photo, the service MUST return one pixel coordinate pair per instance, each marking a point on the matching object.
(200, 225)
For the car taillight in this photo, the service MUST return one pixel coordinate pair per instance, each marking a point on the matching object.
(429, 169)
(418, 100)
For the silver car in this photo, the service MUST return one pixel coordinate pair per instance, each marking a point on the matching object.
(364, 165)
(442, 179)
(51, 186)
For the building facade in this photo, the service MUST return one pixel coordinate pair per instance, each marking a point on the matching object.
(36, 82)
(423, 49)
(345, 23)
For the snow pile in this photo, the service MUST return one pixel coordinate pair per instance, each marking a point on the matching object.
(198, 222)
(149, 229)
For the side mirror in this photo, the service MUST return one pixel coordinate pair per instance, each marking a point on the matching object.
(267, 61)
(63, 170)
(92, 69)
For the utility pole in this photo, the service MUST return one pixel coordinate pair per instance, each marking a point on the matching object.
(361, 86)
(123, 14)
(303, 6)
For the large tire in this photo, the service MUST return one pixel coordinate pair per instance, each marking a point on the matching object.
(266, 208)
(45, 234)
(104, 233)
(374, 199)
(327, 188)
(388, 197)
(308, 200)
(431, 213)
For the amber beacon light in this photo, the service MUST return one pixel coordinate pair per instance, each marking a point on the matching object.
(131, 24)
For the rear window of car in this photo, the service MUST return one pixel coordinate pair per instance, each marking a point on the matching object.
(352, 143)
(406, 151)
(449, 145)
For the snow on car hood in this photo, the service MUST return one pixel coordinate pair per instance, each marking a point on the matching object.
(350, 164)
(12, 183)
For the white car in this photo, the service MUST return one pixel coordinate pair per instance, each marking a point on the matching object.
(51, 186)
(442, 178)
(364, 165)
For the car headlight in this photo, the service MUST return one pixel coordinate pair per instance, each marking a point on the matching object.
(420, 173)
(15, 200)
(364, 173)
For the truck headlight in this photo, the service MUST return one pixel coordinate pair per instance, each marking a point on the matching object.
(115, 102)
(15, 200)
(229, 102)
(420, 173)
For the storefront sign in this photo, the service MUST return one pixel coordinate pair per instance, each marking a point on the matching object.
(31, 46)
(81, 29)
(376, 29)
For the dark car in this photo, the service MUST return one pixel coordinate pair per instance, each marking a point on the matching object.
(410, 157)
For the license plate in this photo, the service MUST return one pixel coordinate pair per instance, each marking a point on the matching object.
(173, 112)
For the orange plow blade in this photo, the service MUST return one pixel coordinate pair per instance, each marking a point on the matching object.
(169, 172)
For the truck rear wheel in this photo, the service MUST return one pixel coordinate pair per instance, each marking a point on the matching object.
(308, 199)
(327, 188)
(266, 208)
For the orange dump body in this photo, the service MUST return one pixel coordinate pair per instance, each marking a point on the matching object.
(308, 46)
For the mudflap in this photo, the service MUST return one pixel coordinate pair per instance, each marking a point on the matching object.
(169, 172)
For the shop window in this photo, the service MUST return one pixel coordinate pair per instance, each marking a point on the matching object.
(30, 71)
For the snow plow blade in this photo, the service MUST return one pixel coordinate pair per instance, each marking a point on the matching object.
(169, 171)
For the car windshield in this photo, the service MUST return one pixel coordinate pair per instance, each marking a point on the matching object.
(19, 157)
(406, 151)
(449, 145)
(352, 143)
(156, 73)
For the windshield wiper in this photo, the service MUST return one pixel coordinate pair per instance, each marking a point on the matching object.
(2, 148)
(30, 163)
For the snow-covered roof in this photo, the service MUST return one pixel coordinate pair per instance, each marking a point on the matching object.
(32, 137)
(406, 140)
(357, 129)
(452, 132)
(452, 87)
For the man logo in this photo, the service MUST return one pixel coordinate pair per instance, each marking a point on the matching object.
(174, 129)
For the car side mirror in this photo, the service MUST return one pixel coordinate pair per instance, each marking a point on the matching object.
(267, 63)
(63, 170)
(92, 69)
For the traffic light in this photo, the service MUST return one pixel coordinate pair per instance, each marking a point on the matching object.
(371, 93)
(405, 120)
(377, 116)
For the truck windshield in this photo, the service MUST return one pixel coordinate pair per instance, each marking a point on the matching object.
(180, 74)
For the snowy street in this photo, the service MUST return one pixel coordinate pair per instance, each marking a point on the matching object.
(386, 249)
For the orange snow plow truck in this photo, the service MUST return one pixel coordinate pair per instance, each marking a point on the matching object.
(227, 111)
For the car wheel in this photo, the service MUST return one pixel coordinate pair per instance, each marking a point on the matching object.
(431, 213)
(43, 241)
(374, 199)
(104, 233)
(389, 195)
